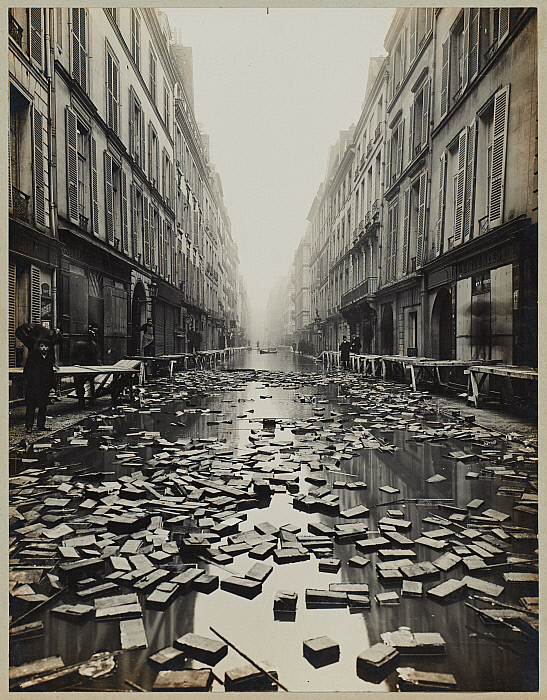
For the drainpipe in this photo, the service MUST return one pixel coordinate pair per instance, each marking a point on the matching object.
(52, 169)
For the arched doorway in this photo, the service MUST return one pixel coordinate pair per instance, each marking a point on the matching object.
(442, 326)
(138, 317)
(387, 330)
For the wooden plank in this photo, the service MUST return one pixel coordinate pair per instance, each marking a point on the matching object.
(132, 634)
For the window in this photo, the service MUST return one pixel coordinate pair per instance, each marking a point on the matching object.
(166, 105)
(59, 27)
(136, 38)
(153, 63)
(36, 34)
(79, 53)
(395, 154)
(113, 12)
(82, 179)
(153, 156)
(112, 90)
(136, 130)
(463, 63)
(419, 122)
(393, 223)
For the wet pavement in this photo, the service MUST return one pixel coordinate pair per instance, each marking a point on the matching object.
(324, 444)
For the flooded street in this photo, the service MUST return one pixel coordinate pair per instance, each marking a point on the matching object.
(305, 447)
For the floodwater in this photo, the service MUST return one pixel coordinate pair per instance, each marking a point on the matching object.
(480, 657)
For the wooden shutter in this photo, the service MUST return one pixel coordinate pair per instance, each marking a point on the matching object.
(83, 54)
(411, 135)
(72, 165)
(440, 215)
(501, 313)
(425, 114)
(143, 142)
(109, 197)
(474, 33)
(400, 148)
(460, 187)
(388, 163)
(125, 227)
(465, 47)
(36, 34)
(108, 87)
(499, 147)
(392, 248)
(94, 187)
(145, 231)
(428, 20)
(35, 295)
(150, 174)
(134, 242)
(12, 286)
(445, 77)
(463, 319)
(406, 230)
(413, 34)
(503, 26)
(10, 194)
(39, 187)
(153, 234)
(75, 56)
(131, 122)
(470, 182)
(422, 201)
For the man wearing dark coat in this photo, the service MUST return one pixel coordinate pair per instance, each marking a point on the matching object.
(87, 353)
(40, 375)
(356, 345)
(344, 348)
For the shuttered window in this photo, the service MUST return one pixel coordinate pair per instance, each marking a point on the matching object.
(474, 33)
(440, 212)
(72, 165)
(94, 188)
(78, 46)
(460, 187)
(12, 282)
(503, 26)
(445, 78)
(125, 226)
(422, 211)
(109, 197)
(136, 37)
(393, 213)
(39, 165)
(36, 35)
(499, 147)
(406, 230)
(145, 231)
(470, 182)
(35, 295)
(112, 90)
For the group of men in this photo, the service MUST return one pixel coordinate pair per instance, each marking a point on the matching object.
(346, 347)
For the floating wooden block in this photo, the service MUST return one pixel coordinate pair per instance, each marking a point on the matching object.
(206, 583)
(248, 678)
(266, 529)
(42, 666)
(287, 555)
(417, 643)
(400, 539)
(188, 680)
(388, 598)
(259, 572)
(325, 599)
(75, 612)
(321, 651)
(98, 590)
(376, 661)
(72, 571)
(208, 651)
(372, 543)
(152, 579)
(355, 512)
(320, 529)
(477, 584)
(474, 562)
(262, 551)
(163, 594)
(167, 658)
(412, 588)
(516, 577)
(397, 523)
(285, 600)
(132, 634)
(186, 578)
(358, 602)
(411, 680)
(241, 586)
(358, 561)
(447, 561)
(330, 565)
(446, 589)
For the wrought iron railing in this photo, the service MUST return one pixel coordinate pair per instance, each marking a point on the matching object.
(376, 209)
(492, 50)
(378, 131)
(15, 30)
(20, 204)
(365, 288)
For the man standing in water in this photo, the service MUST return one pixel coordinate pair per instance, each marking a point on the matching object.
(345, 346)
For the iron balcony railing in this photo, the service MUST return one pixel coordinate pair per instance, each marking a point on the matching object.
(365, 288)
(20, 205)
(368, 219)
(376, 209)
(378, 131)
(15, 30)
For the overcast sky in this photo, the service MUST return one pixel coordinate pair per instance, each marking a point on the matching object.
(273, 90)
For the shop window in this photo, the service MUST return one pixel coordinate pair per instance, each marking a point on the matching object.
(480, 284)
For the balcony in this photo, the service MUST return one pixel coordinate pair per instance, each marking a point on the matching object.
(488, 55)
(376, 209)
(366, 288)
(484, 226)
(361, 226)
(377, 131)
(15, 30)
(368, 219)
(370, 144)
(20, 205)
(84, 221)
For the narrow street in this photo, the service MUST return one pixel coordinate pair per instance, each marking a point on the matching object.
(271, 474)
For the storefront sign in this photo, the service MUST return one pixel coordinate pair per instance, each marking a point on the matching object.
(486, 260)
(34, 250)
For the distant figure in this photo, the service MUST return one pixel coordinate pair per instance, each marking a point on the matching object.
(148, 338)
(87, 353)
(258, 345)
(301, 347)
(344, 348)
(356, 345)
(294, 347)
(39, 372)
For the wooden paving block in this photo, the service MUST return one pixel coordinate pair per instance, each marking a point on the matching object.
(266, 529)
(377, 661)
(72, 571)
(432, 543)
(477, 584)
(321, 651)
(397, 553)
(355, 512)
(163, 594)
(241, 586)
(248, 678)
(47, 665)
(208, 651)
(150, 580)
(474, 562)
(259, 572)
(288, 555)
(167, 658)
(320, 529)
(411, 680)
(370, 544)
(412, 588)
(357, 602)
(132, 634)
(388, 598)
(206, 583)
(397, 523)
(352, 533)
(80, 611)
(186, 578)
(187, 680)
(99, 589)
(447, 561)
(262, 551)
(446, 590)
(417, 643)
(330, 565)
(325, 599)
(358, 561)
(285, 600)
